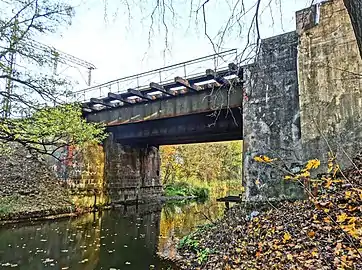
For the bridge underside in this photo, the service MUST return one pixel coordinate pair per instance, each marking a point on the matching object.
(220, 125)
(132, 168)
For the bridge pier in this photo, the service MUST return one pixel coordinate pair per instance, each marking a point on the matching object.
(132, 172)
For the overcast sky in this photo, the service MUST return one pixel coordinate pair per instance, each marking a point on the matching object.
(117, 42)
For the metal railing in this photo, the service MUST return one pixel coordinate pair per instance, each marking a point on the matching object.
(192, 68)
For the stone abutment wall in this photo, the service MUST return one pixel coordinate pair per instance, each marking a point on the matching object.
(113, 172)
(131, 172)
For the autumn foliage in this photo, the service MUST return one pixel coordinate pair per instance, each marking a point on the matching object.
(203, 162)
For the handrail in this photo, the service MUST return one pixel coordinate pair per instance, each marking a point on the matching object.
(155, 71)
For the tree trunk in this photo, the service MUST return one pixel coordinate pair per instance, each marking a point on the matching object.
(354, 8)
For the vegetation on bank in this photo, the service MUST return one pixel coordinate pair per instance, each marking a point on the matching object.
(185, 189)
(204, 162)
(202, 170)
(322, 232)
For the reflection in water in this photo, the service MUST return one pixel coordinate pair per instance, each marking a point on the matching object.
(179, 220)
(117, 239)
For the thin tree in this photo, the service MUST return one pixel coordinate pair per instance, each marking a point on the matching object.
(32, 110)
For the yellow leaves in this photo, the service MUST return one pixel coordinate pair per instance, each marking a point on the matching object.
(328, 183)
(286, 237)
(352, 220)
(264, 159)
(312, 164)
(290, 257)
(342, 218)
(305, 174)
(359, 192)
(333, 168)
(347, 194)
(352, 230)
(314, 252)
(330, 166)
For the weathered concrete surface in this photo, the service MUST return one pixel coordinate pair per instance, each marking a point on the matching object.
(271, 122)
(131, 172)
(330, 79)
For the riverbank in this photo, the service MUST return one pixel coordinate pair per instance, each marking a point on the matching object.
(324, 232)
(28, 189)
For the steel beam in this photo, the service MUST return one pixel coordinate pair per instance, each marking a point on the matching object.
(119, 97)
(183, 82)
(138, 93)
(221, 80)
(158, 87)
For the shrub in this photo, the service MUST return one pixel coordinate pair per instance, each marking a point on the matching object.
(185, 189)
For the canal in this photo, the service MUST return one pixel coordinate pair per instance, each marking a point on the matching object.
(129, 237)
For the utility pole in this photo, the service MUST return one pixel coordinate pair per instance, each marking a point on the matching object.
(63, 58)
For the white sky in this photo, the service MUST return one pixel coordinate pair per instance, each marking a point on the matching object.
(119, 45)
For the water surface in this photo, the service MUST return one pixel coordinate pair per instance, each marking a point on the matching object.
(126, 238)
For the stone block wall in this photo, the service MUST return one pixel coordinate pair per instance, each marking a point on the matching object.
(100, 174)
(330, 85)
(271, 123)
(82, 169)
(131, 172)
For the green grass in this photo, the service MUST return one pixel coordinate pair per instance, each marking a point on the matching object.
(189, 243)
(7, 204)
(185, 189)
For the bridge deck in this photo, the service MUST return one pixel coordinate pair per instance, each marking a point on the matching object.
(180, 86)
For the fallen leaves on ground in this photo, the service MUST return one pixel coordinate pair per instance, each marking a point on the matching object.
(323, 232)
